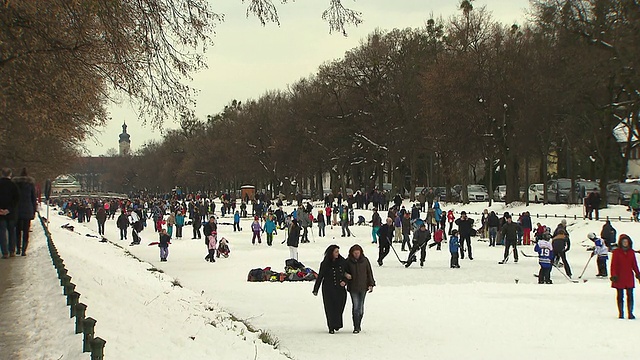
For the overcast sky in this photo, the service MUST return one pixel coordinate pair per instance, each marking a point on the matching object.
(248, 59)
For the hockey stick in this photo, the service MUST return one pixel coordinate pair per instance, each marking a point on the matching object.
(394, 251)
(505, 259)
(585, 267)
(528, 255)
(566, 276)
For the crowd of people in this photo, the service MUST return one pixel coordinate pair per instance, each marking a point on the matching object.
(425, 225)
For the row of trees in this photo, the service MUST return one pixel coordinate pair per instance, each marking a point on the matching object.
(425, 106)
(62, 62)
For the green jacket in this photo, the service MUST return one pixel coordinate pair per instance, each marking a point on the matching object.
(634, 203)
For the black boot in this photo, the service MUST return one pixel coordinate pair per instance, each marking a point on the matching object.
(630, 305)
(620, 309)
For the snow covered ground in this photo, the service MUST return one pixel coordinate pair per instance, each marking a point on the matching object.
(479, 311)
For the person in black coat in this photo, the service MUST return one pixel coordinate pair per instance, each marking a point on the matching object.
(26, 210)
(293, 240)
(385, 237)
(333, 281)
(465, 226)
(9, 200)
(608, 234)
(123, 224)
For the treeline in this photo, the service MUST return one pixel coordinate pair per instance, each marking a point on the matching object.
(432, 106)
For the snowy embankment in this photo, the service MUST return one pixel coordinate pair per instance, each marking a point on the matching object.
(145, 314)
(477, 312)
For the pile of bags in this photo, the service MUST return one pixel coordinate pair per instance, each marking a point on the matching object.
(294, 271)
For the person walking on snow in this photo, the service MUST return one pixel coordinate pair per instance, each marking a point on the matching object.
(360, 281)
(406, 231)
(101, 217)
(385, 237)
(623, 268)
(332, 279)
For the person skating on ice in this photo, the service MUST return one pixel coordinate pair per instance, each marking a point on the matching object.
(465, 226)
(601, 251)
(545, 258)
(385, 236)
(420, 240)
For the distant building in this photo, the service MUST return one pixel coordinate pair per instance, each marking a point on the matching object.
(65, 184)
(125, 141)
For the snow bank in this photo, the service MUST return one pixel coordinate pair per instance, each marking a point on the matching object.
(145, 314)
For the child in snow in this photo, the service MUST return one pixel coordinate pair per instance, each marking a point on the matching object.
(236, 221)
(171, 221)
(545, 258)
(438, 236)
(602, 252)
(256, 228)
(212, 245)
(270, 229)
(163, 244)
(450, 218)
(454, 248)
(223, 248)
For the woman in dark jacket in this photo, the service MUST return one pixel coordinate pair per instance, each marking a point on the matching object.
(26, 210)
(332, 278)
(293, 240)
(361, 281)
(624, 268)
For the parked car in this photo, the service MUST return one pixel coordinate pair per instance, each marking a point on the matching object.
(584, 187)
(477, 193)
(620, 193)
(500, 193)
(536, 192)
(441, 193)
(558, 191)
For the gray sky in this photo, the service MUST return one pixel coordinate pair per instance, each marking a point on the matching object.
(248, 59)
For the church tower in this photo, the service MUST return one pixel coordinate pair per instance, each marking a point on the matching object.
(125, 141)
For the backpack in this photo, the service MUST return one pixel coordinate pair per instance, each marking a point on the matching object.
(256, 275)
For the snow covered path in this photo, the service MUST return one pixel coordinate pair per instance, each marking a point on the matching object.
(477, 311)
(35, 323)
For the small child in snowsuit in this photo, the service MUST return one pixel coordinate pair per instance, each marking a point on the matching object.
(163, 244)
(545, 259)
(256, 228)
(212, 245)
(438, 236)
(454, 249)
(223, 248)
(602, 252)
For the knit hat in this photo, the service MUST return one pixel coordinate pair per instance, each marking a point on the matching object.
(463, 213)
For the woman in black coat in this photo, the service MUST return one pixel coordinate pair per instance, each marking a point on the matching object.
(334, 295)
(26, 209)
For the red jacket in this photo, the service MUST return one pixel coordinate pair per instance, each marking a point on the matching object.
(623, 266)
(450, 216)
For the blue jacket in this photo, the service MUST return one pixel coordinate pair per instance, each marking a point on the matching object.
(269, 227)
(454, 244)
(545, 253)
(236, 218)
(438, 211)
(179, 219)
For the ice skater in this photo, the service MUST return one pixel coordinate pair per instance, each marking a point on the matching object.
(163, 244)
(545, 258)
(602, 252)
(420, 240)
